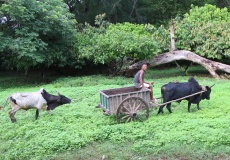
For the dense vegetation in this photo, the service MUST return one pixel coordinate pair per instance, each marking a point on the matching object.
(207, 32)
(40, 34)
(204, 31)
(80, 131)
(36, 33)
(135, 11)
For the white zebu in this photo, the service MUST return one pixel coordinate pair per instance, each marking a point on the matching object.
(26, 101)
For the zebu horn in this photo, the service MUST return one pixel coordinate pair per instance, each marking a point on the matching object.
(212, 85)
(58, 93)
(203, 88)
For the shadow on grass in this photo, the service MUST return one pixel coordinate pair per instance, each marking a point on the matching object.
(11, 79)
(164, 72)
(126, 151)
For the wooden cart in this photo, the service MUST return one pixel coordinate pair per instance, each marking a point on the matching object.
(130, 104)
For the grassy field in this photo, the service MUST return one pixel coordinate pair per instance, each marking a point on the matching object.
(80, 131)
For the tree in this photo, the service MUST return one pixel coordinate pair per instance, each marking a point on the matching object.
(113, 44)
(205, 30)
(116, 10)
(223, 3)
(135, 11)
(36, 33)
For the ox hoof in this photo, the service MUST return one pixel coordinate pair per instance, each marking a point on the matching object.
(13, 120)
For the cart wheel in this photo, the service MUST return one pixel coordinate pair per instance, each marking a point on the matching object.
(132, 109)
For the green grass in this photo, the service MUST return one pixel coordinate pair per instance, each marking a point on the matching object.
(80, 131)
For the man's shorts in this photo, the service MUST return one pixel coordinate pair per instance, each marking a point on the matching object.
(139, 86)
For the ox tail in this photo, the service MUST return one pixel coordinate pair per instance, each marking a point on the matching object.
(5, 104)
(162, 90)
(10, 98)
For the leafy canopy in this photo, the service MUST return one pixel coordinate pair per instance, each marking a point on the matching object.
(116, 42)
(36, 33)
(205, 31)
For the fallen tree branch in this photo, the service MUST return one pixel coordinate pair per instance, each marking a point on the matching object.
(171, 56)
(175, 55)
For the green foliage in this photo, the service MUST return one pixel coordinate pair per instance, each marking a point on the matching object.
(40, 33)
(36, 32)
(75, 128)
(162, 37)
(124, 40)
(145, 11)
(116, 43)
(207, 13)
(205, 31)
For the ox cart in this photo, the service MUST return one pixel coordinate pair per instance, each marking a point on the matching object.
(129, 104)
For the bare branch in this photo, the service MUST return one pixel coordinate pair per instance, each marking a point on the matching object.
(171, 56)
(134, 6)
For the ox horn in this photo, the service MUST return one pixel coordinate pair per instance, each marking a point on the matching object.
(212, 85)
(203, 88)
(58, 93)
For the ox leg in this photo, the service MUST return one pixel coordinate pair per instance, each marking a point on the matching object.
(37, 114)
(168, 106)
(12, 113)
(12, 117)
(160, 109)
(189, 105)
(198, 106)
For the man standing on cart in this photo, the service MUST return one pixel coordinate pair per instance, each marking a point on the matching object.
(139, 82)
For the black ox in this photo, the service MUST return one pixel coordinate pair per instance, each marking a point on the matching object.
(173, 91)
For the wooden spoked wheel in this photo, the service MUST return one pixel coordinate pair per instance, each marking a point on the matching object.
(132, 109)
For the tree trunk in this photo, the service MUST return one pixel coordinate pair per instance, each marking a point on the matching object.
(134, 6)
(173, 43)
(171, 56)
